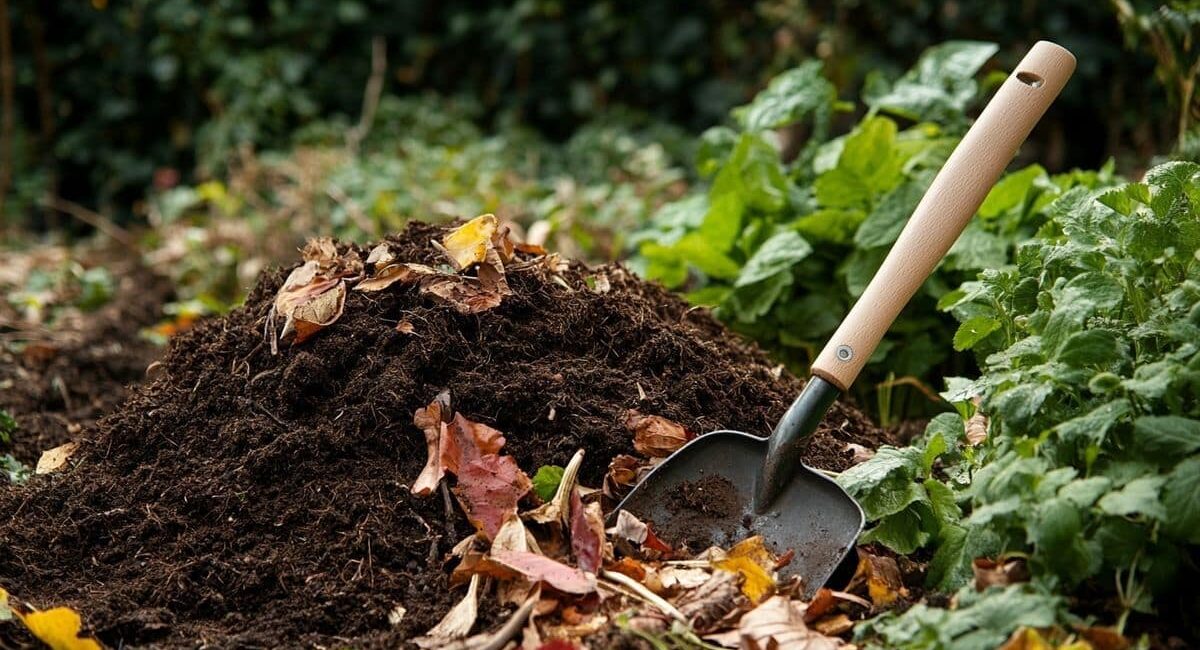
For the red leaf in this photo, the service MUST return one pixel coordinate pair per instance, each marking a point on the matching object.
(653, 542)
(488, 490)
(466, 441)
(587, 534)
(539, 568)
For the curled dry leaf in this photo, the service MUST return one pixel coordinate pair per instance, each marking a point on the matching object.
(488, 490)
(751, 560)
(457, 622)
(386, 276)
(623, 472)
(1004, 572)
(683, 577)
(380, 256)
(776, 623)
(320, 312)
(557, 510)
(712, 600)
(834, 625)
(55, 459)
(469, 243)
(588, 543)
(314, 293)
(465, 295)
(628, 527)
(538, 568)
(656, 436)
(977, 427)
(432, 421)
(882, 575)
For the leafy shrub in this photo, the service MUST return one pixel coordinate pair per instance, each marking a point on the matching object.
(782, 249)
(1091, 376)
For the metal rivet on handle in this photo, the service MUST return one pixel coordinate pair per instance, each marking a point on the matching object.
(844, 353)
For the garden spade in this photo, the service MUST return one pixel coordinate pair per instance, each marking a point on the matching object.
(761, 484)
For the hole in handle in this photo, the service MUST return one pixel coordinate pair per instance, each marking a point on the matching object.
(1030, 79)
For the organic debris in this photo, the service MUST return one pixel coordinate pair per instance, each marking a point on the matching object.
(242, 498)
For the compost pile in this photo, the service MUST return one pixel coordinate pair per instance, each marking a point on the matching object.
(259, 489)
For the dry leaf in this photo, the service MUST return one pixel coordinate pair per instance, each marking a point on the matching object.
(683, 577)
(380, 256)
(538, 568)
(751, 560)
(457, 622)
(319, 249)
(467, 440)
(1103, 638)
(977, 427)
(396, 616)
(488, 490)
(821, 604)
(432, 421)
(777, 623)
(860, 453)
(386, 276)
(656, 436)
(628, 566)
(882, 575)
(557, 510)
(712, 600)
(587, 534)
(320, 312)
(834, 625)
(58, 628)
(469, 243)
(405, 327)
(465, 295)
(989, 572)
(628, 527)
(622, 475)
(54, 459)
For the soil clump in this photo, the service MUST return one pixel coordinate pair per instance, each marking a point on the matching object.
(244, 499)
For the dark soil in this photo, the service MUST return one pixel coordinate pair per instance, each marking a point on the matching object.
(246, 500)
(61, 383)
(711, 496)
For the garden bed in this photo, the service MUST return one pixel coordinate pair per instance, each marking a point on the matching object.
(249, 499)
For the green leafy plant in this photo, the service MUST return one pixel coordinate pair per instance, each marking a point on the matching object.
(1090, 357)
(781, 249)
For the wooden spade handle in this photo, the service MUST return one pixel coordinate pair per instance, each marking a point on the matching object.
(951, 201)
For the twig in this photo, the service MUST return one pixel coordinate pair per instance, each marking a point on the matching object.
(644, 593)
(513, 625)
(90, 217)
(371, 93)
(909, 380)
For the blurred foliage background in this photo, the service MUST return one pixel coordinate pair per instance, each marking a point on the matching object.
(212, 137)
(100, 96)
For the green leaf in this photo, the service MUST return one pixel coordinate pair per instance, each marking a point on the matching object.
(1091, 348)
(939, 87)
(1179, 498)
(860, 268)
(1056, 532)
(545, 482)
(753, 301)
(791, 96)
(973, 331)
(1153, 380)
(883, 225)
(1011, 191)
(1169, 436)
(1094, 425)
(779, 253)
(832, 225)
(1138, 497)
(1017, 406)
(841, 188)
(942, 502)
(1084, 492)
(904, 532)
(697, 251)
(8, 426)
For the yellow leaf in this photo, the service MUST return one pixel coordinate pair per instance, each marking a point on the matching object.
(756, 581)
(469, 243)
(6, 612)
(59, 629)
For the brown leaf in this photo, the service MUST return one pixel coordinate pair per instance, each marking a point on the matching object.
(488, 489)
(834, 625)
(432, 421)
(320, 312)
(538, 568)
(629, 567)
(319, 249)
(776, 623)
(468, 440)
(457, 622)
(977, 427)
(882, 575)
(621, 477)
(386, 276)
(711, 601)
(380, 256)
(1103, 638)
(465, 295)
(655, 436)
(55, 459)
(821, 604)
(628, 527)
(587, 533)
(683, 577)
(989, 572)
(405, 327)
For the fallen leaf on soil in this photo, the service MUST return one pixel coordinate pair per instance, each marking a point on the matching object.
(587, 534)
(1027, 638)
(882, 576)
(469, 243)
(468, 440)
(538, 568)
(861, 454)
(405, 327)
(54, 459)
(386, 276)
(621, 477)
(989, 572)
(488, 490)
(58, 628)
(432, 421)
(319, 249)
(629, 567)
(465, 295)
(776, 623)
(683, 577)
(457, 622)
(834, 625)
(396, 616)
(655, 436)
(821, 604)
(380, 256)
(628, 527)
(750, 559)
(320, 312)
(711, 601)
(546, 480)
(653, 543)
